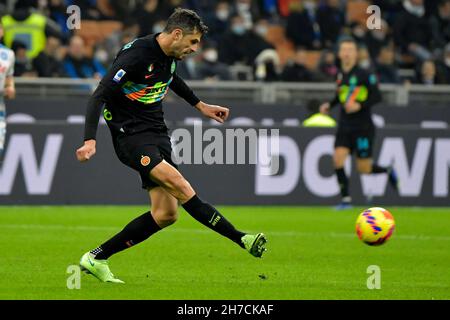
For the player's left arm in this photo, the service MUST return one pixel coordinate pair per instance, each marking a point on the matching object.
(218, 113)
(10, 86)
(374, 94)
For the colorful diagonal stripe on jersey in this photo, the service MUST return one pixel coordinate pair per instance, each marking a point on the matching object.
(352, 94)
(146, 94)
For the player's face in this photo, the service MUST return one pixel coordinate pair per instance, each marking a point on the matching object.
(348, 53)
(186, 45)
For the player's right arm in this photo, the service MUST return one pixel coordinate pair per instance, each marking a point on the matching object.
(93, 111)
(123, 66)
(325, 107)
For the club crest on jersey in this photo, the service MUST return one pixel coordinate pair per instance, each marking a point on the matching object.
(145, 161)
(119, 75)
(172, 67)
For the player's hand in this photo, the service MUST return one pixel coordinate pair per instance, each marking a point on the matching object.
(87, 151)
(10, 92)
(325, 108)
(352, 107)
(218, 113)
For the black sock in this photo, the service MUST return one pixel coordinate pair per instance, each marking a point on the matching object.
(343, 183)
(209, 216)
(134, 232)
(377, 169)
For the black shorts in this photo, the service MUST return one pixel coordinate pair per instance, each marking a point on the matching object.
(144, 151)
(359, 140)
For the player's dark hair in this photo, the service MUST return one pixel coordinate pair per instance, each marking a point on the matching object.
(186, 20)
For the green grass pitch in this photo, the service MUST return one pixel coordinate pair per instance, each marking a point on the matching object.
(313, 254)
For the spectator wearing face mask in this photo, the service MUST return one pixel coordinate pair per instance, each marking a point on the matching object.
(364, 61)
(412, 30)
(302, 27)
(158, 26)
(49, 62)
(240, 45)
(78, 65)
(376, 39)
(359, 33)
(23, 65)
(295, 69)
(440, 25)
(444, 64)
(327, 66)
(247, 11)
(209, 68)
(331, 20)
(218, 21)
(386, 68)
(146, 14)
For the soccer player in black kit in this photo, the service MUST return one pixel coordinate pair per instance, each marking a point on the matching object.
(357, 91)
(131, 95)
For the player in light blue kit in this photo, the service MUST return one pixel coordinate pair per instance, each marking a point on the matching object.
(7, 87)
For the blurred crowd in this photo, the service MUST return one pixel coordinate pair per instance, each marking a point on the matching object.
(263, 40)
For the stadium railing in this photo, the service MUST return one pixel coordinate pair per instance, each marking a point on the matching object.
(242, 91)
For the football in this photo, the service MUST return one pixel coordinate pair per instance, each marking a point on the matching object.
(375, 226)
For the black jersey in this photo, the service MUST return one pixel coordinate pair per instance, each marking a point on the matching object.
(133, 89)
(357, 85)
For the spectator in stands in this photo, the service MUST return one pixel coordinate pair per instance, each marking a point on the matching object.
(431, 7)
(444, 65)
(440, 25)
(209, 68)
(240, 45)
(145, 15)
(377, 39)
(412, 30)
(364, 60)
(267, 66)
(121, 9)
(88, 8)
(261, 28)
(269, 9)
(57, 12)
(49, 62)
(115, 41)
(427, 74)
(248, 11)
(23, 66)
(166, 8)
(218, 21)
(28, 27)
(359, 33)
(386, 68)
(78, 65)
(301, 26)
(296, 69)
(331, 20)
(389, 8)
(158, 26)
(327, 66)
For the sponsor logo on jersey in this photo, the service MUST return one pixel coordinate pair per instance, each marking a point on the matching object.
(119, 75)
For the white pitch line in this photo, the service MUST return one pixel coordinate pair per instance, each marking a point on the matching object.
(185, 230)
